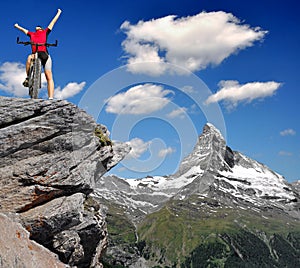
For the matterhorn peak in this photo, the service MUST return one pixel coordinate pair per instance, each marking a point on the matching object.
(210, 152)
(211, 129)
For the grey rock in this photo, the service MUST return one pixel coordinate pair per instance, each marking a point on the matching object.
(17, 250)
(67, 245)
(209, 153)
(296, 186)
(49, 219)
(50, 159)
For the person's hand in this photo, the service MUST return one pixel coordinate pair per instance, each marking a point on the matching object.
(59, 11)
(16, 25)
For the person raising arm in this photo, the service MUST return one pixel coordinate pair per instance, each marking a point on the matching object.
(25, 31)
(54, 20)
(40, 36)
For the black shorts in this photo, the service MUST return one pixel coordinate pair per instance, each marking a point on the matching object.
(43, 57)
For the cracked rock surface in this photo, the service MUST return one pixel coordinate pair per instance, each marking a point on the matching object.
(50, 159)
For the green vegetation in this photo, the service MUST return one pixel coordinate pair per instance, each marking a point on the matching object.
(287, 255)
(199, 232)
(121, 231)
(209, 254)
(104, 140)
(294, 239)
(91, 205)
(107, 265)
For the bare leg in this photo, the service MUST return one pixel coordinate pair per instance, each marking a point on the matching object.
(49, 77)
(30, 57)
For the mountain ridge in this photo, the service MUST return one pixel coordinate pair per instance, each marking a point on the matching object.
(217, 190)
(210, 161)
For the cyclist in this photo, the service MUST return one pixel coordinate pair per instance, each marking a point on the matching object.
(40, 36)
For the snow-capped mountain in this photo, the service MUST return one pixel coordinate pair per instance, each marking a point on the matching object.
(212, 170)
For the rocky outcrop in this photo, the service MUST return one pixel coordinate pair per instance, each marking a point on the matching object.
(17, 250)
(50, 158)
(209, 153)
(296, 186)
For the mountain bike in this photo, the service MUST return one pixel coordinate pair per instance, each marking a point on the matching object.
(35, 70)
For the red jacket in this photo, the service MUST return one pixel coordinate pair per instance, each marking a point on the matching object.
(39, 37)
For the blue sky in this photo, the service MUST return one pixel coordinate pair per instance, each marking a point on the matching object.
(154, 72)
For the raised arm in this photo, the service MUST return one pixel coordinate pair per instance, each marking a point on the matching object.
(54, 20)
(25, 31)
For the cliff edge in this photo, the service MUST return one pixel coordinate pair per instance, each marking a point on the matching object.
(51, 156)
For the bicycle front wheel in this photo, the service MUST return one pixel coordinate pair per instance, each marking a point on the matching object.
(36, 79)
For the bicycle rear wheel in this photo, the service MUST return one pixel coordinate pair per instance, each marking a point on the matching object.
(35, 79)
(30, 80)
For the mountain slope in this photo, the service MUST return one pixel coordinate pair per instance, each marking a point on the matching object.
(201, 230)
(211, 169)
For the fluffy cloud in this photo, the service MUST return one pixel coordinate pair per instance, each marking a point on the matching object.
(285, 153)
(138, 147)
(188, 89)
(12, 74)
(180, 112)
(232, 92)
(140, 99)
(70, 90)
(164, 152)
(193, 42)
(288, 132)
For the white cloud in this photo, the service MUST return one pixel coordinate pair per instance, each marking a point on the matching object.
(70, 90)
(138, 147)
(164, 152)
(288, 132)
(188, 89)
(180, 113)
(192, 42)
(285, 153)
(121, 169)
(140, 99)
(12, 75)
(233, 93)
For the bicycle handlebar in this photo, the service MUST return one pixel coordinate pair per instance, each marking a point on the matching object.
(36, 44)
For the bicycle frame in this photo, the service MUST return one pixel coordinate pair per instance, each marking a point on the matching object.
(34, 75)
